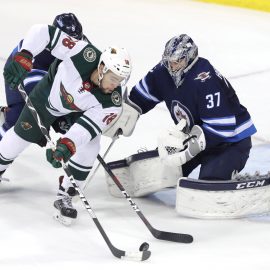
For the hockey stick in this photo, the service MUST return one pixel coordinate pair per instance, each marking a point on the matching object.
(138, 256)
(162, 235)
(115, 137)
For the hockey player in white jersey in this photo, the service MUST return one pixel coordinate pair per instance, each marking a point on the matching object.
(82, 81)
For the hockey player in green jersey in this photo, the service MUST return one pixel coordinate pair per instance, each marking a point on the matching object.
(82, 82)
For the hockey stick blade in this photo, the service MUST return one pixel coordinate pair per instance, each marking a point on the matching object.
(121, 254)
(171, 236)
(130, 255)
(162, 235)
(137, 256)
(167, 236)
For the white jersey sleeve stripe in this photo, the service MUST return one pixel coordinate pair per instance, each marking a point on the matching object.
(89, 125)
(79, 167)
(230, 133)
(144, 93)
(221, 121)
(55, 38)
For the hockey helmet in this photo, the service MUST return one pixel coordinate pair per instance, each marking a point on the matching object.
(177, 49)
(68, 23)
(117, 60)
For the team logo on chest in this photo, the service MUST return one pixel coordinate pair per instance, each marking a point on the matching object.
(26, 125)
(179, 111)
(67, 99)
(89, 55)
(116, 98)
(203, 76)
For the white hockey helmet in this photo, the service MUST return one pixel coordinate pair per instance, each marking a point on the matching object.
(117, 60)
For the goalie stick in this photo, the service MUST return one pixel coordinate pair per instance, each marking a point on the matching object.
(162, 235)
(139, 255)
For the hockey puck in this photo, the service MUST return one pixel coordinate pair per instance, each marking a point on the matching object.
(144, 247)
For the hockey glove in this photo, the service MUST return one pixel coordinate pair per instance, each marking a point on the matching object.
(16, 71)
(177, 147)
(65, 148)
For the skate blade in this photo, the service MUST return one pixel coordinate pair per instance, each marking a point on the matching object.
(62, 219)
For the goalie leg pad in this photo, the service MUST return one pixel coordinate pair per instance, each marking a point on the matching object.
(142, 174)
(223, 199)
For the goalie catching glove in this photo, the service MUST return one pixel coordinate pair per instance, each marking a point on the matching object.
(65, 149)
(176, 146)
(125, 123)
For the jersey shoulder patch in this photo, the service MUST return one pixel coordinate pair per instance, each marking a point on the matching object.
(203, 76)
(108, 100)
(86, 61)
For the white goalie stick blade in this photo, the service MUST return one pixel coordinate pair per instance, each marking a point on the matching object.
(62, 219)
(136, 256)
(223, 199)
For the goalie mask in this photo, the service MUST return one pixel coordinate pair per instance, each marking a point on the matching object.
(180, 54)
(117, 60)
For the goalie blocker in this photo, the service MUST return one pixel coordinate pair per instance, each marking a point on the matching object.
(142, 174)
(243, 197)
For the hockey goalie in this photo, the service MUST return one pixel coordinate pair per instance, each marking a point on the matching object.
(147, 172)
(212, 130)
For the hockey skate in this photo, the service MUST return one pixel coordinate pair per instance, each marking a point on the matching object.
(65, 212)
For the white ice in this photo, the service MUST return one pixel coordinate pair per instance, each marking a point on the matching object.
(237, 42)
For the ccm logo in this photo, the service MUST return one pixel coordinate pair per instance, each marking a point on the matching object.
(251, 184)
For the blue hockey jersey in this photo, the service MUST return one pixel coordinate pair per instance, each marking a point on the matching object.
(205, 98)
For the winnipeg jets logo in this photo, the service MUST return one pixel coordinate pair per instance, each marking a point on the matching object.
(203, 76)
(179, 111)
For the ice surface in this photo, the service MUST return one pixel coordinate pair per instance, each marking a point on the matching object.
(237, 42)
